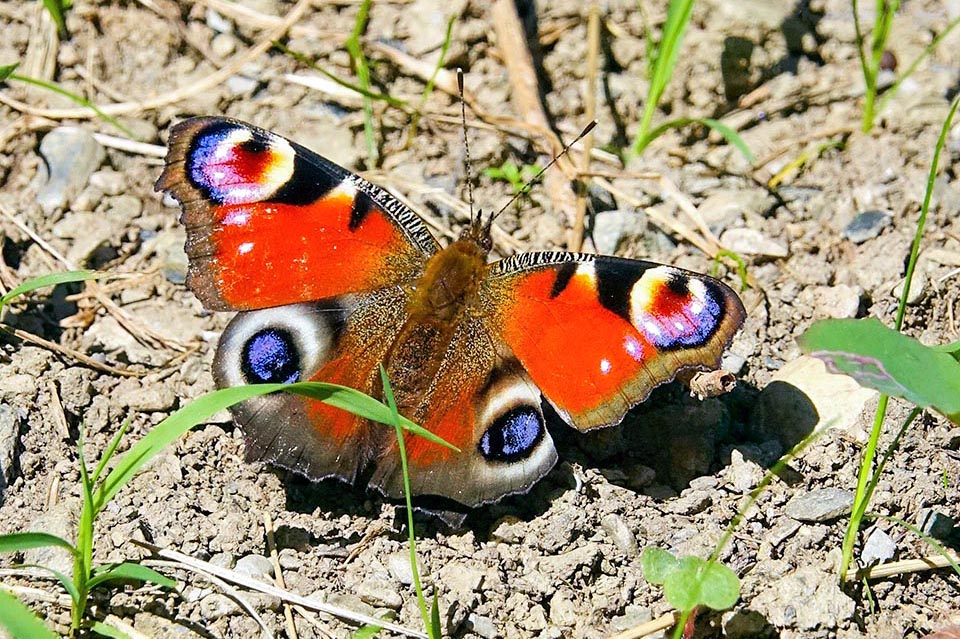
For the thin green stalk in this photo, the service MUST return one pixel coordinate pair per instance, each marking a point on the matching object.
(363, 76)
(83, 560)
(401, 447)
(883, 21)
(862, 495)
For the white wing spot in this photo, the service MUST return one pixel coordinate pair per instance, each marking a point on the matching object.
(245, 248)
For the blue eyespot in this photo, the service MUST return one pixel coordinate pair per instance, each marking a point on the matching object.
(513, 436)
(270, 356)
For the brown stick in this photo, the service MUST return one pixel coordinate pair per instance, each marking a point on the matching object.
(575, 242)
(526, 94)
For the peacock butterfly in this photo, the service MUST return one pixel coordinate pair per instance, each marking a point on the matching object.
(333, 276)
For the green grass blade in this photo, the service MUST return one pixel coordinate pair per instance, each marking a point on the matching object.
(435, 629)
(108, 631)
(129, 571)
(78, 99)
(731, 136)
(204, 407)
(17, 542)
(7, 70)
(110, 450)
(64, 580)
(355, 51)
(51, 279)
(55, 9)
(20, 620)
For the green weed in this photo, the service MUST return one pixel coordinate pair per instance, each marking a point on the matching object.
(57, 9)
(891, 363)
(870, 65)
(517, 177)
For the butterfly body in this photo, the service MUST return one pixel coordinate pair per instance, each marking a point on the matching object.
(334, 277)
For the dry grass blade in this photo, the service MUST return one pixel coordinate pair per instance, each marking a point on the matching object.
(278, 574)
(893, 568)
(69, 352)
(227, 589)
(654, 625)
(283, 595)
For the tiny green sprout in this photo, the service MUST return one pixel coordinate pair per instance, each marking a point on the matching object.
(690, 582)
(517, 177)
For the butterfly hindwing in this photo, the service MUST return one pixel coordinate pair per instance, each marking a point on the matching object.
(596, 334)
(269, 222)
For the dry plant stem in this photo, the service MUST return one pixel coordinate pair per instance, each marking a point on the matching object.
(445, 80)
(131, 146)
(69, 352)
(893, 568)
(204, 84)
(278, 574)
(654, 625)
(253, 584)
(590, 111)
(526, 94)
(252, 18)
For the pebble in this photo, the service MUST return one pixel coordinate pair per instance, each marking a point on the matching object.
(108, 182)
(918, 288)
(935, 523)
(9, 439)
(878, 548)
(60, 520)
(242, 85)
(216, 605)
(20, 387)
(566, 565)
(867, 225)
(377, 593)
(76, 390)
(744, 241)
(461, 579)
(87, 232)
(841, 301)
(610, 228)
(563, 609)
(481, 626)
(807, 599)
(223, 44)
(821, 504)
(399, 566)
(70, 155)
(218, 23)
(742, 475)
(620, 534)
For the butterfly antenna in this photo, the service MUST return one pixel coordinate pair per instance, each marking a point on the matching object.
(474, 219)
(536, 178)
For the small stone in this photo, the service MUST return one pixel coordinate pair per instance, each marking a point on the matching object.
(821, 504)
(9, 440)
(224, 44)
(60, 520)
(399, 566)
(621, 535)
(241, 84)
(563, 609)
(481, 626)
(17, 387)
(918, 288)
(935, 524)
(70, 155)
(610, 228)
(507, 530)
(690, 502)
(633, 615)
(742, 475)
(807, 599)
(289, 559)
(566, 565)
(378, 593)
(878, 548)
(218, 23)
(256, 566)
(746, 241)
(108, 181)
(841, 301)
(216, 605)
(461, 579)
(867, 225)
(88, 233)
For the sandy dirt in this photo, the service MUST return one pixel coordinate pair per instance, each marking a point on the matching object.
(564, 559)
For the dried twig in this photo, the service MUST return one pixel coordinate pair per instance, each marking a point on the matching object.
(654, 625)
(590, 111)
(284, 595)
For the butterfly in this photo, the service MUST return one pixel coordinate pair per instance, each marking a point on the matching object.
(332, 277)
